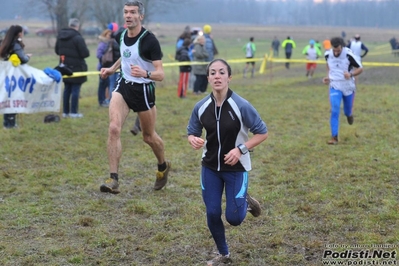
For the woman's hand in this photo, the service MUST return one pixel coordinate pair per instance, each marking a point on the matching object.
(232, 157)
(195, 142)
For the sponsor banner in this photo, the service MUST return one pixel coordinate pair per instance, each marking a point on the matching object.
(25, 89)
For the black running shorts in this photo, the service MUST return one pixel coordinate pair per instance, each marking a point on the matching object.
(138, 96)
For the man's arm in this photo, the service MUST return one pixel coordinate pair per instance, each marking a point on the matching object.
(158, 74)
(365, 49)
(106, 72)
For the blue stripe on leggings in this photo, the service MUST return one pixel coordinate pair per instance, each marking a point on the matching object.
(243, 189)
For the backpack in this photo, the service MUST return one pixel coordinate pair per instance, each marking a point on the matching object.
(177, 55)
(51, 118)
(107, 59)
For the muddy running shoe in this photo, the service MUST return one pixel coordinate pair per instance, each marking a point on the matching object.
(110, 186)
(220, 260)
(162, 177)
(333, 141)
(350, 119)
(253, 206)
(135, 130)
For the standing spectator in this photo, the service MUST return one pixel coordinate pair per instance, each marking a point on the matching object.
(200, 55)
(186, 34)
(141, 65)
(103, 45)
(317, 44)
(312, 52)
(182, 56)
(209, 43)
(13, 44)
(342, 67)
(394, 46)
(227, 119)
(115, 55)
(275, 46)
(250, 49)
(71, 46)
(288, 46)
(326, 44)
(106, 41)
(357, 47)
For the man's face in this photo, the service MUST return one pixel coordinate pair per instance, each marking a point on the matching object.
(337, 50)
(132, 16)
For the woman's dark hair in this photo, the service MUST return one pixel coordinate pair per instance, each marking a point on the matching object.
(337, 41)
(220, 60)
(9, 40)
(185, 34)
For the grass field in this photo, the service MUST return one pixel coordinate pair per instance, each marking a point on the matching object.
(313, 195)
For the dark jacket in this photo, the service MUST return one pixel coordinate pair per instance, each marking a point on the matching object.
(72, 45)
(182, 56)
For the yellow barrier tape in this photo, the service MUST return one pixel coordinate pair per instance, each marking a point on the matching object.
(234, 61)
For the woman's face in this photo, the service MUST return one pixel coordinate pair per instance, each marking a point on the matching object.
(218, 76)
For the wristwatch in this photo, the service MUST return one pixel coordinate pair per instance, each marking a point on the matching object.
(243, 149)
(148, 74)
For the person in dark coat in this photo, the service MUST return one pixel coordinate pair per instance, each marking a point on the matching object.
(72, 49)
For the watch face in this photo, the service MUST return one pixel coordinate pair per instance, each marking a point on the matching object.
(243, 148)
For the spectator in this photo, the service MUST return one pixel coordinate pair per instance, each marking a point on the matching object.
(116, 54)
(357, 47)
(394, 46)
(103, 84)
(317, 44)
(227, 119)
(288, 46)
(342, 67)
(275, 46)
(106, 41)
(71, 46)
(185, 34)
(200, 55)
(183, 56)
(13, 44)
(312, 52)
(327, 44)
(209, 43)
(250, 49)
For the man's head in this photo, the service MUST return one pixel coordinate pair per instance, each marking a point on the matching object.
(337, 43)
(251, 39)
(137, 3)
(311, 43)
(74, 23)
(133, 13)
(357, 37)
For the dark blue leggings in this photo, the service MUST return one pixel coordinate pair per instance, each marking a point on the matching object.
(236, 185)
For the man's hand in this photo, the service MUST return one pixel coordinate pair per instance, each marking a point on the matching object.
(105, 72)
(137, 71)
